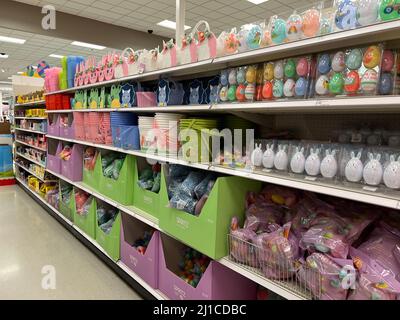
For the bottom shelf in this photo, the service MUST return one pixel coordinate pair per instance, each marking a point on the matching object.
(155, 293)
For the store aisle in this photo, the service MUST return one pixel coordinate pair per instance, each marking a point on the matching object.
(30, 238)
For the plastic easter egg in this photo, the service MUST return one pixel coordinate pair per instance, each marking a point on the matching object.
(232, 76)
(278, 70)
(389, 9)
(223, 94)
(369, 81)
(241, 88)
(325, 26)
(367, 12)
(336, 83)
(324, 64)
(278, 31)
(354, 59)
(259, 76)
(387, 60)
(346, 15)
(372, 57)
(302, 67)
(251, 74)
(311, 23)
(277, 89)
(250, 91)
(386, 84)
(42, 66)
(240, 75)
(293, 27)
(288, 88)
(352, 82)
(338, 64)
(290, 68)
(266, 92)
(322, 85)
(253, 37)
(301, 87)
(232, 93)
(224, 78)
(269, 71)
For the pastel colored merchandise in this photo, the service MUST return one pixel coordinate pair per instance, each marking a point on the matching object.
(53, 161)
(301, 87)
(278, 70)
(302, 67)
(373, 170)
(336, 84)
(346, 15)
(206, 42)
(294, 26)
(369, 81)
(352, 82)
(188, 49)
(372, 57)
(166, 59)
(290, 68)
(389, 9)
(289, 88)
(84, 212)
(322, 85)
(354, 59)
(253, 37)
(72, 168)
(311, 22)
(277, 89)
(367, 12)
(338, 62)
(278, 30)
(388, 60)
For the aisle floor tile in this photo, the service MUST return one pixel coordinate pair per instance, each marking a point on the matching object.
(31, 239)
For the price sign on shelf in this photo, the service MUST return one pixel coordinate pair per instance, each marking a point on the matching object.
(322, 103)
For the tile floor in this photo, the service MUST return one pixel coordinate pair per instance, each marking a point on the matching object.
(30, 239)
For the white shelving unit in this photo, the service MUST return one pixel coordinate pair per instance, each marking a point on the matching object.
(29, 104)
(30, 118)
(28, 130)
(29, 145)
(32, 173)
(30, 159)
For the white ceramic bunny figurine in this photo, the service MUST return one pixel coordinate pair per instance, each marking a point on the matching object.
(313, 162)
(257, 156)
(373, 170)
(391, 175)
(268, 157)
(329, 165)
(298, 161)
(281, 158)
(354, 168)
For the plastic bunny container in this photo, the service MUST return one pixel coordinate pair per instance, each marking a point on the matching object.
(354, 168)
(281, 159)
(329, 164)
(268, 157)
(391, 175)
(313, 162)
(298, 160)
(373, 170)
(257, 156)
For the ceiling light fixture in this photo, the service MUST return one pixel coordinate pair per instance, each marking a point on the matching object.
(12, 40)
(170, 24)
(2, 70)
(58, 56)
(257, 1)
(87, 45)
(3, 56)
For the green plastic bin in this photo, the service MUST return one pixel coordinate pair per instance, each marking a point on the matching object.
(208, 232)
(67, 209)
(92, 177)
(86, 223)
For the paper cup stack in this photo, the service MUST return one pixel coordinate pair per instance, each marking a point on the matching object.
(146, 130)
(167, 125)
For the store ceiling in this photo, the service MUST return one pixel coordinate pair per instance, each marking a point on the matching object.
(143, 15)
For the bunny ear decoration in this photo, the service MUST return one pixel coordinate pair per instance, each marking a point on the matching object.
(359, 155)
(297, 149)
(317, 151)
(333, 153)
(327, 152)
(378, 157)
(370, 156)
(398, 159)
(392, 158)
(352, 155)
(312, 150)
(302, 150)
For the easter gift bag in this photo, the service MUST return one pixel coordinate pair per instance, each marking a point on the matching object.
(188, 49)
(168, 56)
(127, 64)
(206, 42)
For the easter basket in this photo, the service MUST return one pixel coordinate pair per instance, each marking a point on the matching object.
(206, 42)
(168, 56)
(148, 60)
(127, 64)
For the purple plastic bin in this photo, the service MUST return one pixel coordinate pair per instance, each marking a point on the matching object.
(53, 125)
(145, 266)
(69, 131)
(53, 160)
(73, 168)
(217, 283)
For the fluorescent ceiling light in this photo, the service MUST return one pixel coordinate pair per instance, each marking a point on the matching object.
(170, 24)
(2, 70)
(56, 56)
(87, 45)
(9, 78)
(257, 1)
(3, 56)
(11, 40)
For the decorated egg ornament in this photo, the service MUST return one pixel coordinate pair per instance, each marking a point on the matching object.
(324, 64)
(352, 82)
(290, 68)
(369, 81)
(367, 12)
(372, 57)
(336, 83)
(302, 67)
(322, 85)
(389, 9)
(346, 15)
(354, 59)
(338, 64)
(311, 22)
(277, 89)
(387, 61)
(267, 90)
(293, 27)
(288, 88)
(278, 70)
(278, 31)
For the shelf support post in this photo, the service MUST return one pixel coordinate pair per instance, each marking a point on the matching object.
(180, 20)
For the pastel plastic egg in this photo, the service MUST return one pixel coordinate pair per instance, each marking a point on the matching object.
(346, 15)
(250, 91)
(301, 87)
(241, 88)
(325, 26)
(278, 70)
(253, 37)
(277, 89)
(372, 57)
(290, 68)
(251, 74)
(322, 85)
(259, 76)
(369, 81)
(387, 60)
(324, 64)
(232, 93)
(240, 75)
(269, 71)
(288, 88)
(278, 31)
(311, 23)
(336, 83)
(302, 67)
(232, 76)
(352, 82)
(338, 64)
(223, 94)
(354, 59)
(367, 12)
(293, 27)
(267, 90)
(386, 84)
(389, 9)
